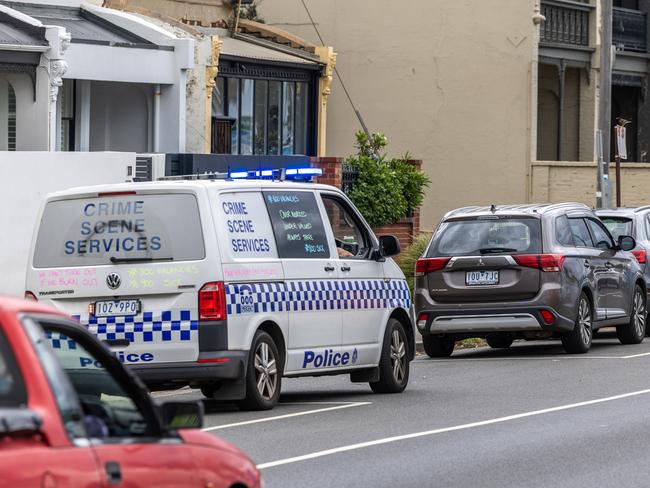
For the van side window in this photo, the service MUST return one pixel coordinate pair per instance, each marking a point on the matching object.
(351, 239)
(563, 231)
(581, 235)
(297, 224)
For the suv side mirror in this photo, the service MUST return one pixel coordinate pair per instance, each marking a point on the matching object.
(626, 243)
(182, 415)
(388, 246)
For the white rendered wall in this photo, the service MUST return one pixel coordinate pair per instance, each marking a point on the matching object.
(25, 179)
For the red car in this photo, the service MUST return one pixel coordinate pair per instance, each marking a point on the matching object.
(72, 416)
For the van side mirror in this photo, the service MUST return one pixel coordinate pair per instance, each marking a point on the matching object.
(626, 243)
(182, 415)
(389, 246)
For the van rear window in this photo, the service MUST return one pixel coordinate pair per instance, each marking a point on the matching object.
(487, 236)
(116, 229)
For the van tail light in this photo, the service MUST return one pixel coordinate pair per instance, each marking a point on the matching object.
(549, 263)
(212, 301)
(427, 265)
(30, 296)
(547, 317)
(641, 256)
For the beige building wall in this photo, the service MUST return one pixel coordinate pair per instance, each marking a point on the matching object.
(449, 81)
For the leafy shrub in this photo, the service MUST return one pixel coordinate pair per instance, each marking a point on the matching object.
(384, 190)
(410, 255)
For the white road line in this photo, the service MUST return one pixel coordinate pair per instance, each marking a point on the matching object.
(289, 415)
(537, 358)
(472, 425)
(636, 355)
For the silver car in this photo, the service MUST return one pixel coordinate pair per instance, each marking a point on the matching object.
(634, 222)
(527, 271)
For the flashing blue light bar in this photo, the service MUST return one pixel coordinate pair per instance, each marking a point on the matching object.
(304, 172)
(291, 173)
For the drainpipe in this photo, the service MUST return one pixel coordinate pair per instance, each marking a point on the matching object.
(156, 118)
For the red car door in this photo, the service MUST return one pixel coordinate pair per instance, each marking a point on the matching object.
(122, 426)
(35, 449)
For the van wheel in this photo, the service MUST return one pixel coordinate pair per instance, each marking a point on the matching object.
(578, 341)
(394, 361)
(263, 375)
(438, 347)
(499, 341)
(634, 331)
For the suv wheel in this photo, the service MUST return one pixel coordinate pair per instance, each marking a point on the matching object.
(438, 347)
(263, 375)
(499, 341)
(634, 331)
(394, 361)
(579, 339)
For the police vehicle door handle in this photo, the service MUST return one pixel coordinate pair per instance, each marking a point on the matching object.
(117, 342)
(345, 268)
(113, 473)
(329, 268)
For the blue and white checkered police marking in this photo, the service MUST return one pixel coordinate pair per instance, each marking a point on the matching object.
(310, 295)
(60, 341)
(166, 326)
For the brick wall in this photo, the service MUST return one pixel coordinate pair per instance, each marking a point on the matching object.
(405, 230)
(559, 181)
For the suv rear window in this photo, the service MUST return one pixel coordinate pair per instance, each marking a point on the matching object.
(618, 226)
(487, 235)
(91, 231)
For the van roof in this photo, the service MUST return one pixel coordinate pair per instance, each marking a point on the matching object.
(188, 185)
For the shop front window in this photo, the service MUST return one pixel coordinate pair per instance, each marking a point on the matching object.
(257, 116)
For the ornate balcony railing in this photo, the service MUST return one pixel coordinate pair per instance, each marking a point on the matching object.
(565, 23)
(630, 30)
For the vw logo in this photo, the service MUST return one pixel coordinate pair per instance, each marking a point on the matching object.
(113, 281)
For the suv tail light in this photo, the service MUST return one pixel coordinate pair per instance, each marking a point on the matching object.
(30, 296)
(549, 263)
(547, 316)
(641, 256)
(427, 265)
(212, 301)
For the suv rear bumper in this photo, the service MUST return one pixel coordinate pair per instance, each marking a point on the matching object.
(217, 366)
(491, 320)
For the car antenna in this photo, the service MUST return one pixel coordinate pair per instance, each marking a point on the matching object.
(493, 208)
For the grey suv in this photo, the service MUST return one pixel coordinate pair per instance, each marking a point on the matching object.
(527, 271)
(634, 222)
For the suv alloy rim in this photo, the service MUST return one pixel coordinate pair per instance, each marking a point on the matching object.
(266, 371)
(398, 356)
(639, 313)
(585, 321)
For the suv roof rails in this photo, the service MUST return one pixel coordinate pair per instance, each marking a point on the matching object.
(642, 209)
(538, 208)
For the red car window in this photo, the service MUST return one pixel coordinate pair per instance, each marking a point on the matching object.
(12, 388)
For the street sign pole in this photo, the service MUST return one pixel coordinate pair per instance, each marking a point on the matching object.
(604, 105)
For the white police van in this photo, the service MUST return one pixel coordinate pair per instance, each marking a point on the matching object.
(227, 284)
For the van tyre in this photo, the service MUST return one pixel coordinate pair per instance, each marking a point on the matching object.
(394, 362)
(578, 341)
(438, 347)
(263, 374)
(634, 331)
(499, 341)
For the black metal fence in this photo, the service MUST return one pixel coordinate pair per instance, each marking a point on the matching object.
(565, 24)
(349, 177)
(630, 30)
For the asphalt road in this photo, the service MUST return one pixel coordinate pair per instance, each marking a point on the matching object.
(528, 416)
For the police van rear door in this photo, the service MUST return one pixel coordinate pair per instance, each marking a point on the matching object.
(128, 265)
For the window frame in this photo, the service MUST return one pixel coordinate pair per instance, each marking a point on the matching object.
(366, 232)
(36, 325)
(599, 224)
(582, 218)
(18, 394)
